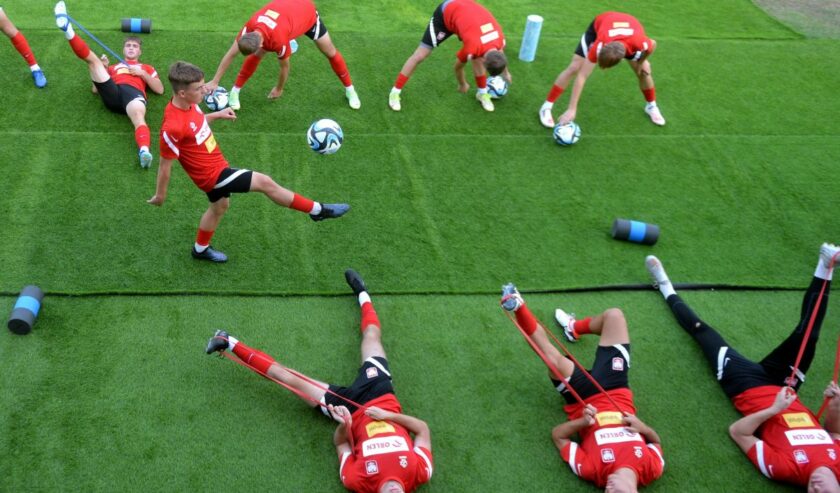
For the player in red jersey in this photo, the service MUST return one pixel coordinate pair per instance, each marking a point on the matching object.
(483, 46)
(617, 451)
(611, 37)
(780, 436)
(185, 135)
(374, 445)
(121, 86)
(22, 47)
(273, 28)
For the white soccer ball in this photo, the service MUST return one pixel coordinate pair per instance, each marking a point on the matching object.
(217, 100)
(325, 136)
(497, 86)
(567, 134)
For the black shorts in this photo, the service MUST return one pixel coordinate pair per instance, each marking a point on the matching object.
(586, 41)
(231, 180)
(737, 373)
(318, 30)
(117, 96)
(373, 381)
(436, 32)
(610, 370)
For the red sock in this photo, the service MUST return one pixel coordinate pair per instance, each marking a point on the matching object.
(142, 136)
(257, 360)
(340, 69)
(526, 320)
(481, 81)
(582, 326)
(401, 80)
(249, 66)
(555, 92)
(302, 204)
(19, 41)
(80, 48)
(650, 94)
(203, 237)
(369, 316)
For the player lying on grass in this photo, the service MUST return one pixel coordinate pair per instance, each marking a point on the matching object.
(617, 451)
(271, 29)
(611, 37)
(780, 436)
(185, 135)
(22, 47)
(373, 442)
(121, 86)
(483, 47)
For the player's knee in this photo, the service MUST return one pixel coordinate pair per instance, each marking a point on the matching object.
(613, 314)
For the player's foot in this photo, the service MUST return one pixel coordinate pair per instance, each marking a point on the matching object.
(217, 343)
(330, 211)
(233, 100)
(145, 159)
(355, 281)
(829, 251)
(394, 101)
(567, 321)
(660, 278)
(655, 115)
(209, 254)
(545, 117)
(61, 19)
(39, 78)
(511, 299)
(353, 98)
(485, 100)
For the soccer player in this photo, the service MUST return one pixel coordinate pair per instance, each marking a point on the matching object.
(779, 435)
(22, 47)
(121, 86)
(373, 442)
(611, 37)
(185, 135)
(483, 46)
(272, 29)
(617, 451)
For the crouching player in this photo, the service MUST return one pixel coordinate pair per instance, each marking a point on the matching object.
(780, 436)
(374, 445)
(617, 451)
(185, 135)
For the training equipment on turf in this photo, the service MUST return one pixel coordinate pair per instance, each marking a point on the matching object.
(26, 310)
(566, 134)
(325, 136)
(531, 38)
(217, 100)
(294, 46)
(497, 86)
(136, 25)
(635, 231)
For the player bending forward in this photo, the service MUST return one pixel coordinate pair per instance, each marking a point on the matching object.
(611, 37)
(22, 47)
(272, 29)
(483, 46)
(617, 451)
(780, 436)
(185, 135)
(121, 86)
(374, 445)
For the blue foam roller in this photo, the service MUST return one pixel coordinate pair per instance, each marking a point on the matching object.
(26, 310)
(635, 231)
(136, 25)
(531, 38)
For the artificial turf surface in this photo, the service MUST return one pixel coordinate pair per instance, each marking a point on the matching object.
(448, 203)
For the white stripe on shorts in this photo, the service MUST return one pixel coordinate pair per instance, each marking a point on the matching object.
(721, 361)
(377, 364)
(317, 25)
(624, 353)
(584, 45)
(230, 178)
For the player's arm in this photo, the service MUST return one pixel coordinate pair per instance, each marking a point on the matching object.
(227, 59)
(153, 83)
(164, 171)
(340, 438)
(743, 430)
(225, 114)
(463, 86)
(832, 415)
(562, 433)
(421, 431)
(577, 89)
(285, 67)
(636, 425)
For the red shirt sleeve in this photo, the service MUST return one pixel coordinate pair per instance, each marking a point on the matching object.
(151, 71)
(170, 136)
(347, 471)
(577, 459)
(769, 461)
(425, 466)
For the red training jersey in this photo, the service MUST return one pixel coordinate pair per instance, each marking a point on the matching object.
(624, 28)
(607, 445)
(185, 135)
(383, 451)
(121, 75)
(281, 21)
(475, 26)
(792, 443)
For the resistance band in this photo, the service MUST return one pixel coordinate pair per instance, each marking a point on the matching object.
(94, 38)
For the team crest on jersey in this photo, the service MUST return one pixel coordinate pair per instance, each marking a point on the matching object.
(371, 467)
(832, 454)
(800, 456)
(607, 455)
(637, 451)
(618, 364)
(403, 461)
(193, 127)
(371, 372)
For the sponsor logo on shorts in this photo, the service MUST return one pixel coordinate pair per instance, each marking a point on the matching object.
(371, 372)
(616, 435)
(813, 436)
(800, 456)
(371, 467)
(607, 455)
(384, 445)
(618, 364)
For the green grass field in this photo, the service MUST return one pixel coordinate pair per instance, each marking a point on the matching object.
(112, 391)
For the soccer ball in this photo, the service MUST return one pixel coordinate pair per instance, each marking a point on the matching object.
(325, 136)
(217, 100)
(497, 86)
(567, 134)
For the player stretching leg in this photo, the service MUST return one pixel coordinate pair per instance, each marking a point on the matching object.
(22, 47)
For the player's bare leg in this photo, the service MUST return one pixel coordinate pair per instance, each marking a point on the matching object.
(557, 89)
(339, 66)
(136, 111)
(420, 54)
(481, 94)
(643, 73)
(282, 196)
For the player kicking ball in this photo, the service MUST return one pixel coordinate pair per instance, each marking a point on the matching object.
(22, 47)
(272, 29)
(483, 45)
(121, 86)
(611, 37)
(185, 135)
